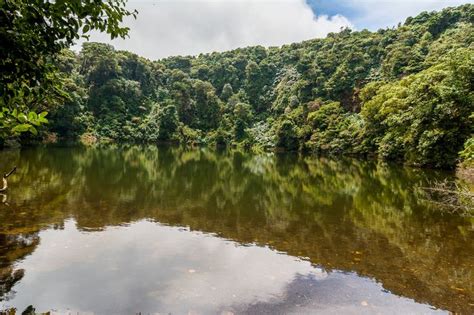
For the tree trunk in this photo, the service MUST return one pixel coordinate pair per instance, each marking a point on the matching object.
(5, 182)
(5, 185)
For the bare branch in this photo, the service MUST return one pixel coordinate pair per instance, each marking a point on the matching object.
(4, 179)
(9, 173)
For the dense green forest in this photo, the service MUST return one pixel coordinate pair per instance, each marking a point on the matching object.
(403, 93)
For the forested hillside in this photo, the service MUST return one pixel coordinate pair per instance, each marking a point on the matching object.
(402, 94)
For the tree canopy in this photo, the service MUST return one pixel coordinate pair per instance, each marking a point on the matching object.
(401, 93)
(32, 34)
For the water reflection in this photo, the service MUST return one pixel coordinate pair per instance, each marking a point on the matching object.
(173, 271)
(364, 218)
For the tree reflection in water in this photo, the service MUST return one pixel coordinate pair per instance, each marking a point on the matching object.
(347, 215)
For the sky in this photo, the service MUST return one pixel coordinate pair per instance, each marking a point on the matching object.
(189, 27)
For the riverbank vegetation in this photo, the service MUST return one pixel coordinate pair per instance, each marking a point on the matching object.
(403, 93)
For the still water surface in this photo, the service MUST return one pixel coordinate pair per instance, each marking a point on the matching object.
(167, 230)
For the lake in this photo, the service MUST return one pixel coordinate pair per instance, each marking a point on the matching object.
(146, 229)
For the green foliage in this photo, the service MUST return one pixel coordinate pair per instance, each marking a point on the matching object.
(190, 136)
(160, 125)
(219, 137)
(168, 123)
(287, 135)
(242, 117)
(15, 122)
(207, 106)
(262, 135)
(32, 34)
(285, 91)
(467, 154)
(227, 92)
(424, 118)
(403, 93)
(334, 130)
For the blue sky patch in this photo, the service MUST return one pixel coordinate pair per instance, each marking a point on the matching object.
(375, 14)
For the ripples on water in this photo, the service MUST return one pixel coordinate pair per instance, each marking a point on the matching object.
(147, 229)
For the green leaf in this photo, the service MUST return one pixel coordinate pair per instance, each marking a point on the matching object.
(22, 118)
(33, 130)
(21, 128)
(32, 116)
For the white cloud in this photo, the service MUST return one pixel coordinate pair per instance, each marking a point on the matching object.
(166, 28)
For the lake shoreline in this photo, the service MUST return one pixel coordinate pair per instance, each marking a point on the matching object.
(463, 170)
